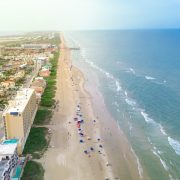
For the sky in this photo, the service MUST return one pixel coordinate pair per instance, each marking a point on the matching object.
(27, 15)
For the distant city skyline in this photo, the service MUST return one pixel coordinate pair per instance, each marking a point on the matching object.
(28, 15)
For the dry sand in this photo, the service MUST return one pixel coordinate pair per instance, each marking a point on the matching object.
(66, 159)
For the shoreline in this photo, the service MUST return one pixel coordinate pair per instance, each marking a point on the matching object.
(66, 159)
(126, 165)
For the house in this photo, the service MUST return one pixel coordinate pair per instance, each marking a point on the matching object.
(44, 73)
(8, 84)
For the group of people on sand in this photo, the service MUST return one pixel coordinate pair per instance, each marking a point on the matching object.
(79, 124)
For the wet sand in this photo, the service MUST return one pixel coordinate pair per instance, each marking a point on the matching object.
(65, 159)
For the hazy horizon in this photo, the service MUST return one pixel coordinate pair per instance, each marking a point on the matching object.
(26, 15)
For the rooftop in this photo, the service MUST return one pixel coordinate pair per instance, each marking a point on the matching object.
(19, 102)
(7, 149)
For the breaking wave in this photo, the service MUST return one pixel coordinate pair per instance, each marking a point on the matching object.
(108, 75)
(149, 78)
(175, 145)
(132, 70)
(147, 118)
(130, 102)
(162, 162)
(162, 130)
(118, 86)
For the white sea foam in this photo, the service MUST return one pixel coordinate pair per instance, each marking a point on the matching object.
(118, 86)
(162, 162)
(130, 128)
(162, 130)
(108, 75)
(140, 169)
(149, 140)
(170, 176)
(125, 92)
(164, 165)
(130, 102)
(175, 145)
(132, 70)
(149, 78)
(155, 153)
(147, 118)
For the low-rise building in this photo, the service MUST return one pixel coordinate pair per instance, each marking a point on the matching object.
(8, 84)
(44, 73)
(17, 76)
(38, 85)
(8, 160)
(19, 116)
(36, 46)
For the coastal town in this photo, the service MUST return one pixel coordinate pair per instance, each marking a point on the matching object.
(27, 74)
(51, 127)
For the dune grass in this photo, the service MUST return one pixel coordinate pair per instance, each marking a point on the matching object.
(37, 142)
(33, 171)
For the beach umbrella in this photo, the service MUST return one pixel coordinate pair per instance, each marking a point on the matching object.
(85, 151)
(100, 146)
(81, 134)
(91, 148)
(107, 164)
(78, 126)
(81, 141)
(98, 139)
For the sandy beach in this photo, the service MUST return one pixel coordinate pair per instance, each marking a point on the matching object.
(107, 151)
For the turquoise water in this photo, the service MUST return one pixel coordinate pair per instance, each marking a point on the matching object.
(139, 71)
(10, 141)
(18, 172)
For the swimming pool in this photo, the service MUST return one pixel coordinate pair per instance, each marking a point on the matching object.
(18, 172)
(10, 141)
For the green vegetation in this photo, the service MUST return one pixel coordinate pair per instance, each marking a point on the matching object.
(33, 171)
(38, 139)
(43, 116)
(37, 142)
(47, 99)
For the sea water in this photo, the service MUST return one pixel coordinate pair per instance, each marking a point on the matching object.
(139, 71)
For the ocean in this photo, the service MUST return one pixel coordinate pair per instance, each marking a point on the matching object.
(139, 75)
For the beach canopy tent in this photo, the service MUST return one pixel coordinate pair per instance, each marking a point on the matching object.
(78, 126)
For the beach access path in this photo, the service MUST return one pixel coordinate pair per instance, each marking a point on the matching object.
(65, 159)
